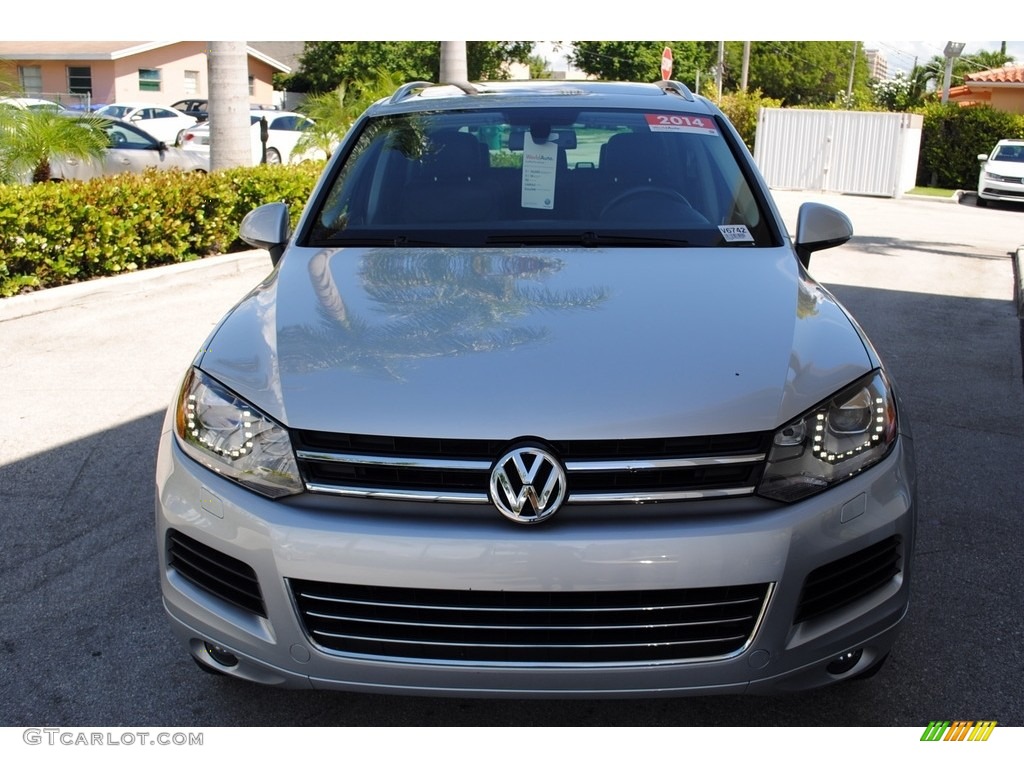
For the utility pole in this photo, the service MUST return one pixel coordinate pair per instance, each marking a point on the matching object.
(853, 66)
(951, 52)
(746, 66)
(720, 69)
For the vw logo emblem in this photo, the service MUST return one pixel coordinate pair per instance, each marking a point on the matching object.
(528, 485)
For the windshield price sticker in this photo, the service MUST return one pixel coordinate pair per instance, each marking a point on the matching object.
(736, 233)
(539, 164)
(682, 124)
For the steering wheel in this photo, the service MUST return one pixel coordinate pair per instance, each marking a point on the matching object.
(651, 193)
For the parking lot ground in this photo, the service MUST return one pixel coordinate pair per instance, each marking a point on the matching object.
(87, 371)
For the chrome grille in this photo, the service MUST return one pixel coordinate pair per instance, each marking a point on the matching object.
(598, 471)
(563, 628)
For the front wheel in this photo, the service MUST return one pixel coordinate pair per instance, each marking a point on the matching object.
(273, 157)
(981, 202)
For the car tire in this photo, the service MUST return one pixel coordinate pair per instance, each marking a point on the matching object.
(980, 202)
(273, 157)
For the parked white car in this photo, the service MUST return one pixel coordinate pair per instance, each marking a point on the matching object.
(164, 123)
(1002, 173)
(34, 105)
(283, 132)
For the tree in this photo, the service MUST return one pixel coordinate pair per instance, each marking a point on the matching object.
(801, 72)
(230, 139)
(31, 139)
(324, 65)
(639, 60)
(963, 66)
(540, 69)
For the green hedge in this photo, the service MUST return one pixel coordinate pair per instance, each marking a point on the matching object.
(952, 137)
(58, 233)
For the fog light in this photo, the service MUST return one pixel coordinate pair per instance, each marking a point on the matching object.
(844, 663)
(221, 656)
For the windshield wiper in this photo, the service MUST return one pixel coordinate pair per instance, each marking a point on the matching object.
(588, 239)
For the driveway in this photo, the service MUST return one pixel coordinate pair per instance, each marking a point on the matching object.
(87, 371)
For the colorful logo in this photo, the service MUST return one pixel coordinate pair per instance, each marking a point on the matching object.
(958, 730)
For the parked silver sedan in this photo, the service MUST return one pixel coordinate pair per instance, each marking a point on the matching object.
(130, 150)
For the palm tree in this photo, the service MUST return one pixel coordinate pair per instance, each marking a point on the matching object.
(228, 68)
(334, 112)
(31, 139)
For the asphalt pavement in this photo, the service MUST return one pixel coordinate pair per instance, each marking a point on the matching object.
(86, 372)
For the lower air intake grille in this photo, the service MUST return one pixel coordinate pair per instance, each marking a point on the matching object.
(841, 582)
(562, 628)
(216, 573)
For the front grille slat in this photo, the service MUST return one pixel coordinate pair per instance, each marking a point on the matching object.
(598, 471)
(564, 628)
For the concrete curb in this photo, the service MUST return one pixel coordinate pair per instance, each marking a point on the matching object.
(143, 280)
(1018, 279)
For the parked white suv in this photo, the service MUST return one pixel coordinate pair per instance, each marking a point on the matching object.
(539, 399)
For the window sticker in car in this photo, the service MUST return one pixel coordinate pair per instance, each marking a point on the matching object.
(736, 233)
(539, 162)
(682, 124)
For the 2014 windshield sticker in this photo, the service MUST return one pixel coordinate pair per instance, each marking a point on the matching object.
(682, 124)
(736, 233)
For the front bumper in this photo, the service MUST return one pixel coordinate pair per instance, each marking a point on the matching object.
(621, 549)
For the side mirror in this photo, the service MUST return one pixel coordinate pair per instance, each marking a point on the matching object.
(267, 227)
(983, 158)
(818, 227)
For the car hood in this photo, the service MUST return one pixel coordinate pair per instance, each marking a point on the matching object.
(559, 343)
(1005, 168)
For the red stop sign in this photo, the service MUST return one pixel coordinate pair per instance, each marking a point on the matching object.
(666, 64)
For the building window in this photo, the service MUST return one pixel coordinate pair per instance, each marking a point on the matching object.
(252, 85)
(149, 79)
(80, 80)
(31, 79)
(191, 82)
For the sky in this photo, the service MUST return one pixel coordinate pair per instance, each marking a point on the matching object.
(738, 20)
(904, 28)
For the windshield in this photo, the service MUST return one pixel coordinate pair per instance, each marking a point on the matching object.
(1009, 153)
(540, 176)
(113, 110)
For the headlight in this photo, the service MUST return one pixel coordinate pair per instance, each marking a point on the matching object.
(832, 442)
(226, 434)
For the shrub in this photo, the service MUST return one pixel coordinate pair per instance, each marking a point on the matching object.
(952, 137)
(742, 109)
(53, 234)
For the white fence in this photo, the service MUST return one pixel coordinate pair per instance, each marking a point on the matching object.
(865, 153)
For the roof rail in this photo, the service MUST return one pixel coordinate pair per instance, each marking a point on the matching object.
(406, 90)
(674, 86)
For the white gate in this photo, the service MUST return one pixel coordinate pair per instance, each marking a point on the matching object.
(863, 153)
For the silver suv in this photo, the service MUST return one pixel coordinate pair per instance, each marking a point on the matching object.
(539, 399)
